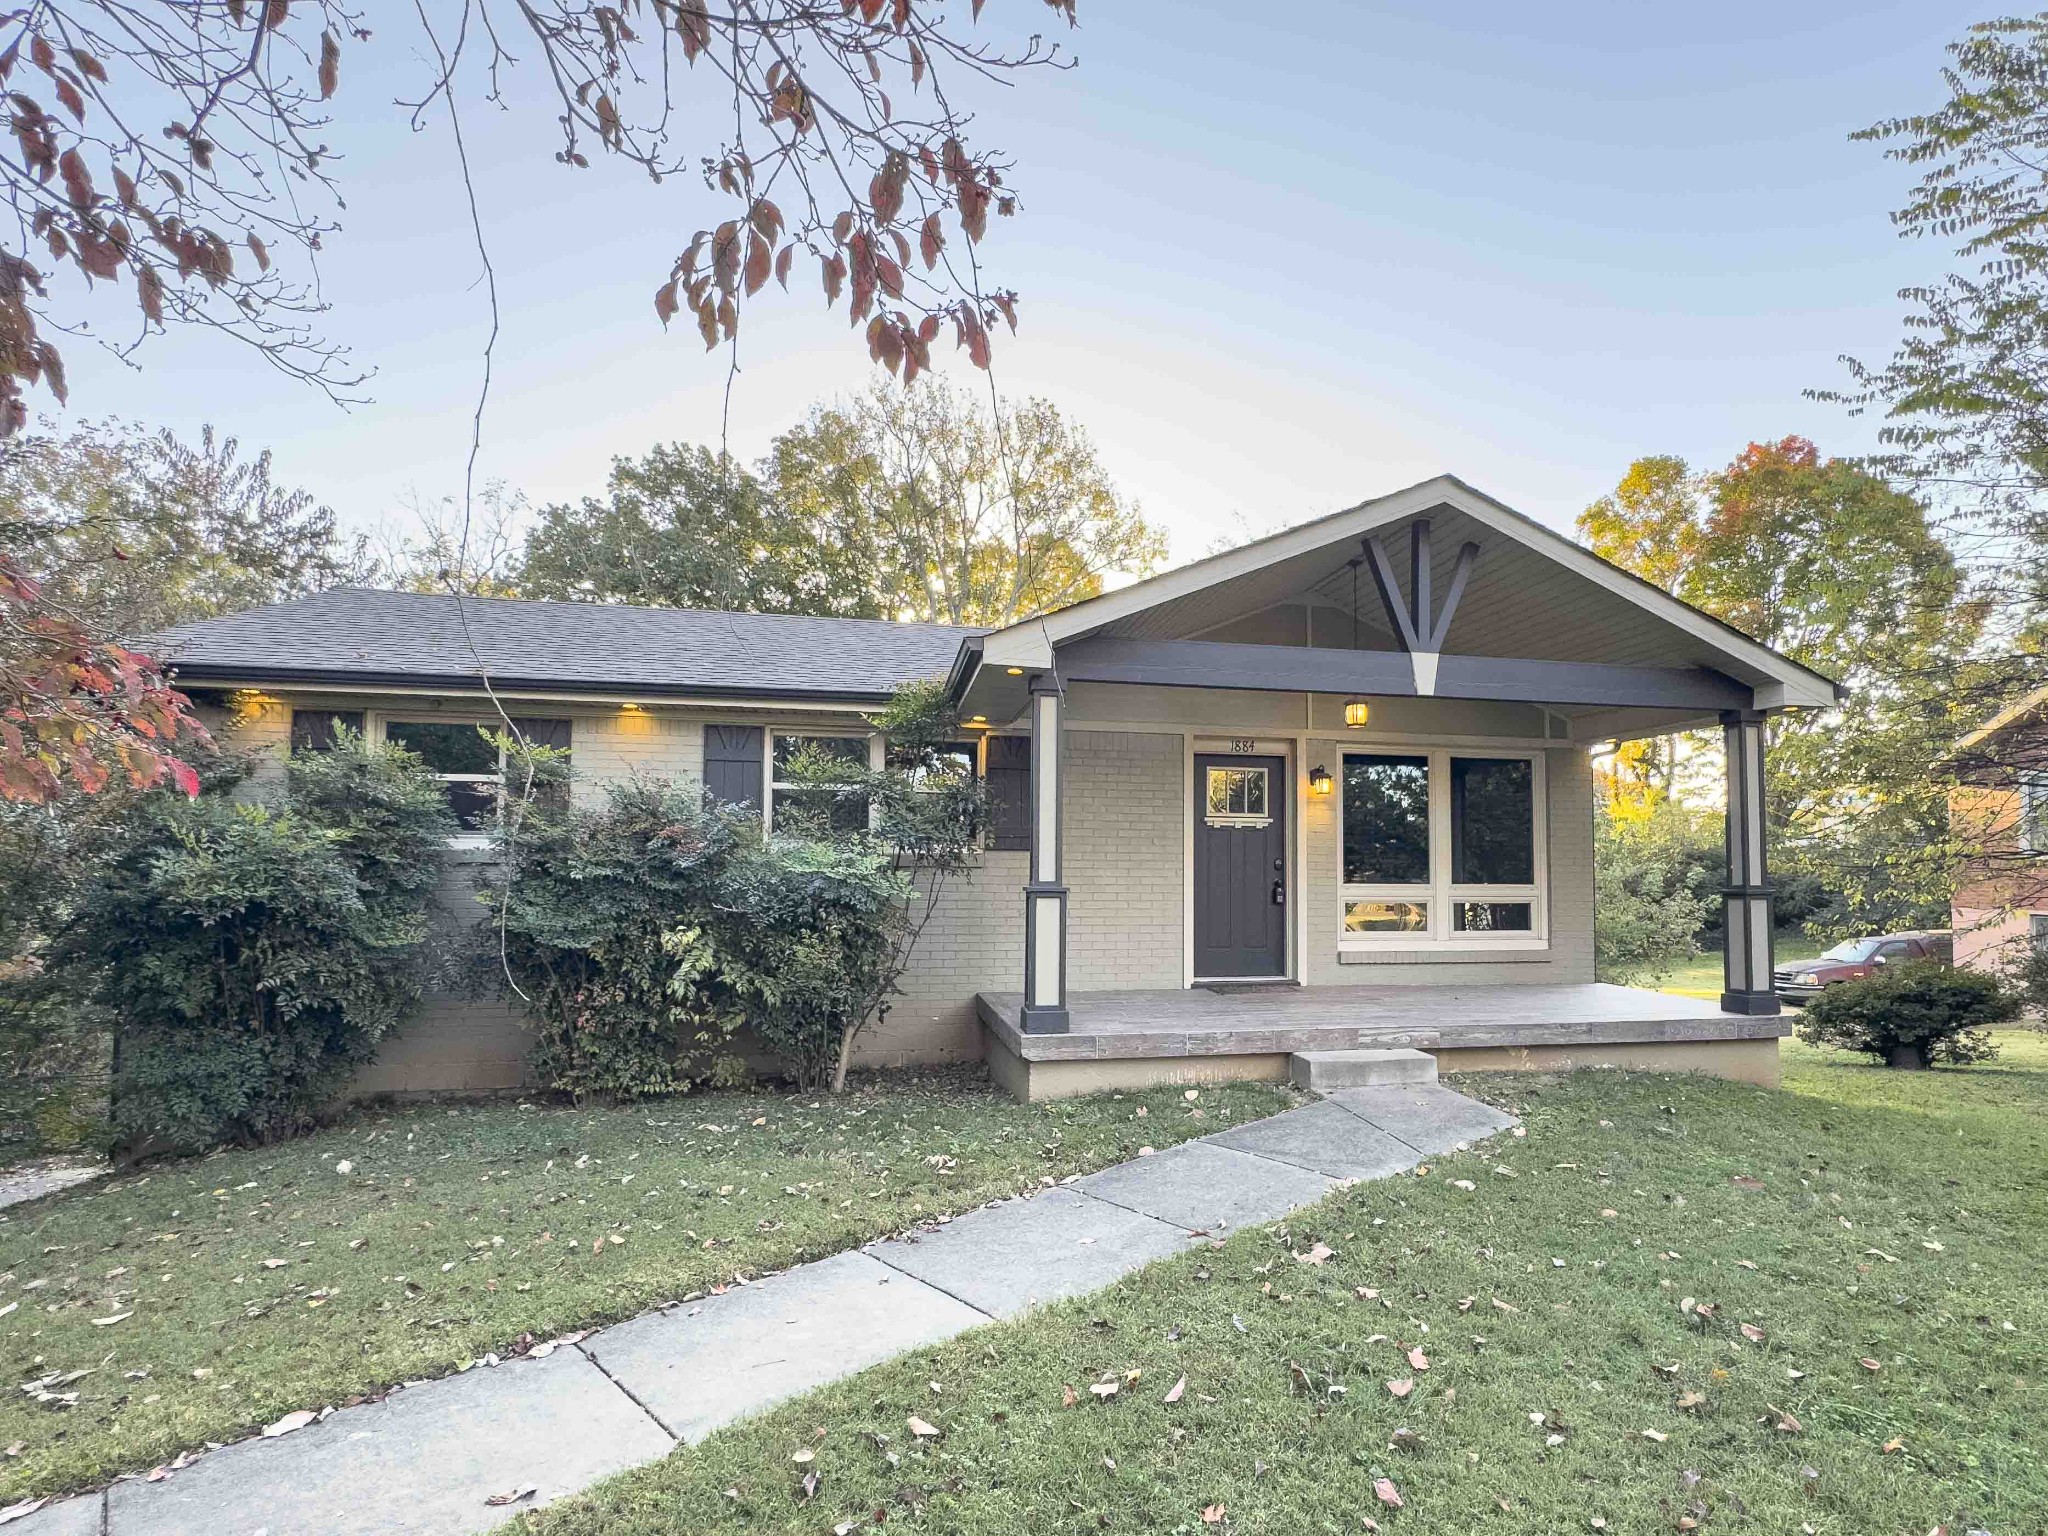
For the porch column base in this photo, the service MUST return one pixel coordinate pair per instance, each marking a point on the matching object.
(1045, 960)
(1754, 1003)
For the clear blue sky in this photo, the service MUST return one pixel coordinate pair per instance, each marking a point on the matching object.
(1276, 259)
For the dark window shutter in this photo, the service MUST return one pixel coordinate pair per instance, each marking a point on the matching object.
(545, 733)
(1009, 792)
(732, 763)
(313, 729)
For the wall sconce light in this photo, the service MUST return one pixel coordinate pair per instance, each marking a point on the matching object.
(1014, 671)
(1319, 781)
(1356, 713)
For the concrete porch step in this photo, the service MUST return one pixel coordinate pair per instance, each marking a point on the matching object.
(1320, 1071)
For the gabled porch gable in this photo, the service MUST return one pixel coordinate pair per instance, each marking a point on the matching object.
(1433, 593)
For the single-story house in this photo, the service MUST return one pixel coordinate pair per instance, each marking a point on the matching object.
(1998, 808)
(1331, 789)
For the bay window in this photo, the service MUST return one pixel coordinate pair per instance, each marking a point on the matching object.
(1442, 847)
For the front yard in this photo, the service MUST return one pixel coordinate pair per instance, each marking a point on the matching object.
(199, 1300)
(1675, 1304)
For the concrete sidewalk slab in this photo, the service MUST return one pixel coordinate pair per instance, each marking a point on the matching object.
(73, 1517)
(1206, 1187)
(1325, 1139)
(699, 1367)
(1005, 1259)
(420, 1463)
(1430, 1119)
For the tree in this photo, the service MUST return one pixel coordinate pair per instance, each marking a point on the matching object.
(134, 531)
(1964, 412)
(1823, 560)
(180, 150)
(683, 528)
(973, 521)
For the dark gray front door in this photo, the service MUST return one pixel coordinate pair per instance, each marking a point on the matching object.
(1240, 815)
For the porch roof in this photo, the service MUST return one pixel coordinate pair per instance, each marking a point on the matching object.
(1524, 614)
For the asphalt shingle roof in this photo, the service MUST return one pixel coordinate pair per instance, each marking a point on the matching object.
(351, 635)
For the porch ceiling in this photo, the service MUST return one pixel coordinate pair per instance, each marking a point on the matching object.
(1517, 603)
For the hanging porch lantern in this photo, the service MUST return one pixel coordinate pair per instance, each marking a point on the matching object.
(1356, 711)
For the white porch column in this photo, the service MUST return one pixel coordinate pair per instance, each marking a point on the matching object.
(1045, 897)
(1746, 900)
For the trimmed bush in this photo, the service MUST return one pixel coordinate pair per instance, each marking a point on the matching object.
(253, 956)
(1912, 1015)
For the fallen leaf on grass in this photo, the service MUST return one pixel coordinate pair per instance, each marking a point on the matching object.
(921, 1429)
(1322, 1253)
(1691, 1399)
(1657, 1435)
(1751, 1332)
(1869, 1364)
(1784, 1422)
(1106, 1389)
(1384, 1490)
(1418, 1359)
(500, 1500)
(1068, 1397)
(1212, 1514)
(1402, 1387)
(1173, 1393)
(291, 1421)
(1895, 1444)
(108, 1322)
(803, 1455)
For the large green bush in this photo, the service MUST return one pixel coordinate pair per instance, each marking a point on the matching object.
(598, 918)
(1912, 1015)
(252, 956)
(647, 933)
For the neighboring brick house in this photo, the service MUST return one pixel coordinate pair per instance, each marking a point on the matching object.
(1999, 811)
(1247, 787)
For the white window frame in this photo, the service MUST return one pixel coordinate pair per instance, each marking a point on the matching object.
(375, 723)
(1439, 892)
(1228, 818)
(771, 734)
(2033, 822)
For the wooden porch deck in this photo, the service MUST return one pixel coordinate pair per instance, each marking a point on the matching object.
(1198, 1022)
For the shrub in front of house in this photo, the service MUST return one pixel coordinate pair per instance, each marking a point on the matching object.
(599, 928)
(1912, 1015)
(252, 956)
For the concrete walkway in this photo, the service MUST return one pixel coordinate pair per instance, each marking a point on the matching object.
(427, 1460)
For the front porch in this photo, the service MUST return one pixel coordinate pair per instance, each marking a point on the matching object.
(1203, 1034)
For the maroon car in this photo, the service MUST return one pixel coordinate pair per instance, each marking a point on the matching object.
(1855, 958)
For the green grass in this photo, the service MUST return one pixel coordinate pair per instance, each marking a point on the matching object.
(1855, 1214)
(252, 1283)
(1702, 975)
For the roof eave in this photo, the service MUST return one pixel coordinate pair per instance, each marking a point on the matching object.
(215, 674)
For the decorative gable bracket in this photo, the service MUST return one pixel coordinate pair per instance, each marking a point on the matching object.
(1417, 632)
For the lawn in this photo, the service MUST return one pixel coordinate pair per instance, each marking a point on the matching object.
(1676, 1304)
(199, 1300)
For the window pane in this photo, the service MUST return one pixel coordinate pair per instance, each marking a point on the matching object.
(952, 759)
(818, 812)
(1493, 821)
(475, 805)
(850, 749)
(1386, 820)
(1492, 917)
(446, 746)
(1255, 792)
(1219, 792)
(1386, 916)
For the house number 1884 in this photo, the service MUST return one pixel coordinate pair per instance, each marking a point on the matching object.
(1243, 745)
